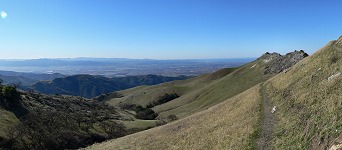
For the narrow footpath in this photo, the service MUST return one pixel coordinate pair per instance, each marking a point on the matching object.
(267, 124)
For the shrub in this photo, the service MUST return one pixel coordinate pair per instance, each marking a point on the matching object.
(172, 117)
(333, 59)
(141, 112)
(163, 99)
(10, 92)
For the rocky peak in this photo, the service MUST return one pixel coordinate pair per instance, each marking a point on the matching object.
(268, 55)
(277, 63)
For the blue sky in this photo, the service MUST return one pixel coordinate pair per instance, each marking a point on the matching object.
(165, 29)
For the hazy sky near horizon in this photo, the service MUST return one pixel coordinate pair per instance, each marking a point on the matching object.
(165, 29)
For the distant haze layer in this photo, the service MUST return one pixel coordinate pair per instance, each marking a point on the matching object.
(120, 66)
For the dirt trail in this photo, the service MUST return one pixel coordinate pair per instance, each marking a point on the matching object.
(267, 123)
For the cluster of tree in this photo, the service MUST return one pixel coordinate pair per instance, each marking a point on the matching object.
(8, 94)
(141, 112)
(163, 99)
(56, 122)
(57, 130)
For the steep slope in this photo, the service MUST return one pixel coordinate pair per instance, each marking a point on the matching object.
(89, 86)
(207, 90)
(309, 101)
(229, 125)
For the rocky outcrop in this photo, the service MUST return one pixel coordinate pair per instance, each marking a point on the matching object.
(339, 41)
(276, 63)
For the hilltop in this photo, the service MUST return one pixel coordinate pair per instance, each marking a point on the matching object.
(303, 105)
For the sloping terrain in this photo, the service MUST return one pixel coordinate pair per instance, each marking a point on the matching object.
(304, 105)
(89, 86)
(309, 101)
(228, 125)
(202, 92)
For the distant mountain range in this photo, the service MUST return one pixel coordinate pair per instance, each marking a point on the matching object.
(33, 76)
(89, 86)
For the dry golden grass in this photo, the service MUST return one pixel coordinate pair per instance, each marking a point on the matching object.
(309, 106)
(228, 125)
(199, 93)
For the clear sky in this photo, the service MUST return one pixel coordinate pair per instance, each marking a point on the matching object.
(165, 29)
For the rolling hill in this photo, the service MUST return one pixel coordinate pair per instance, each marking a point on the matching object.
(26, 79)
(298, 108)
(33, 76)
(16, 80)
(202, 92)
(89, 86)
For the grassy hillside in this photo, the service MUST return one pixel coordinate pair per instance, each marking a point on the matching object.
(228, 125)
(198, 93)
(308, 105)
(309, 101)
(202, 92)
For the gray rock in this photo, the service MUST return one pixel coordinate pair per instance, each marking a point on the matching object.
(276, 63)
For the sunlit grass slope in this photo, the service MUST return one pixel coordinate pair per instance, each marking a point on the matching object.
(198, 93)
(227, 125)
(309, 103)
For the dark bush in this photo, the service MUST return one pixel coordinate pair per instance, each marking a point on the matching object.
(10, 92)
(172, 117)
(141, 112)
(163, 99)
(333, 59)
